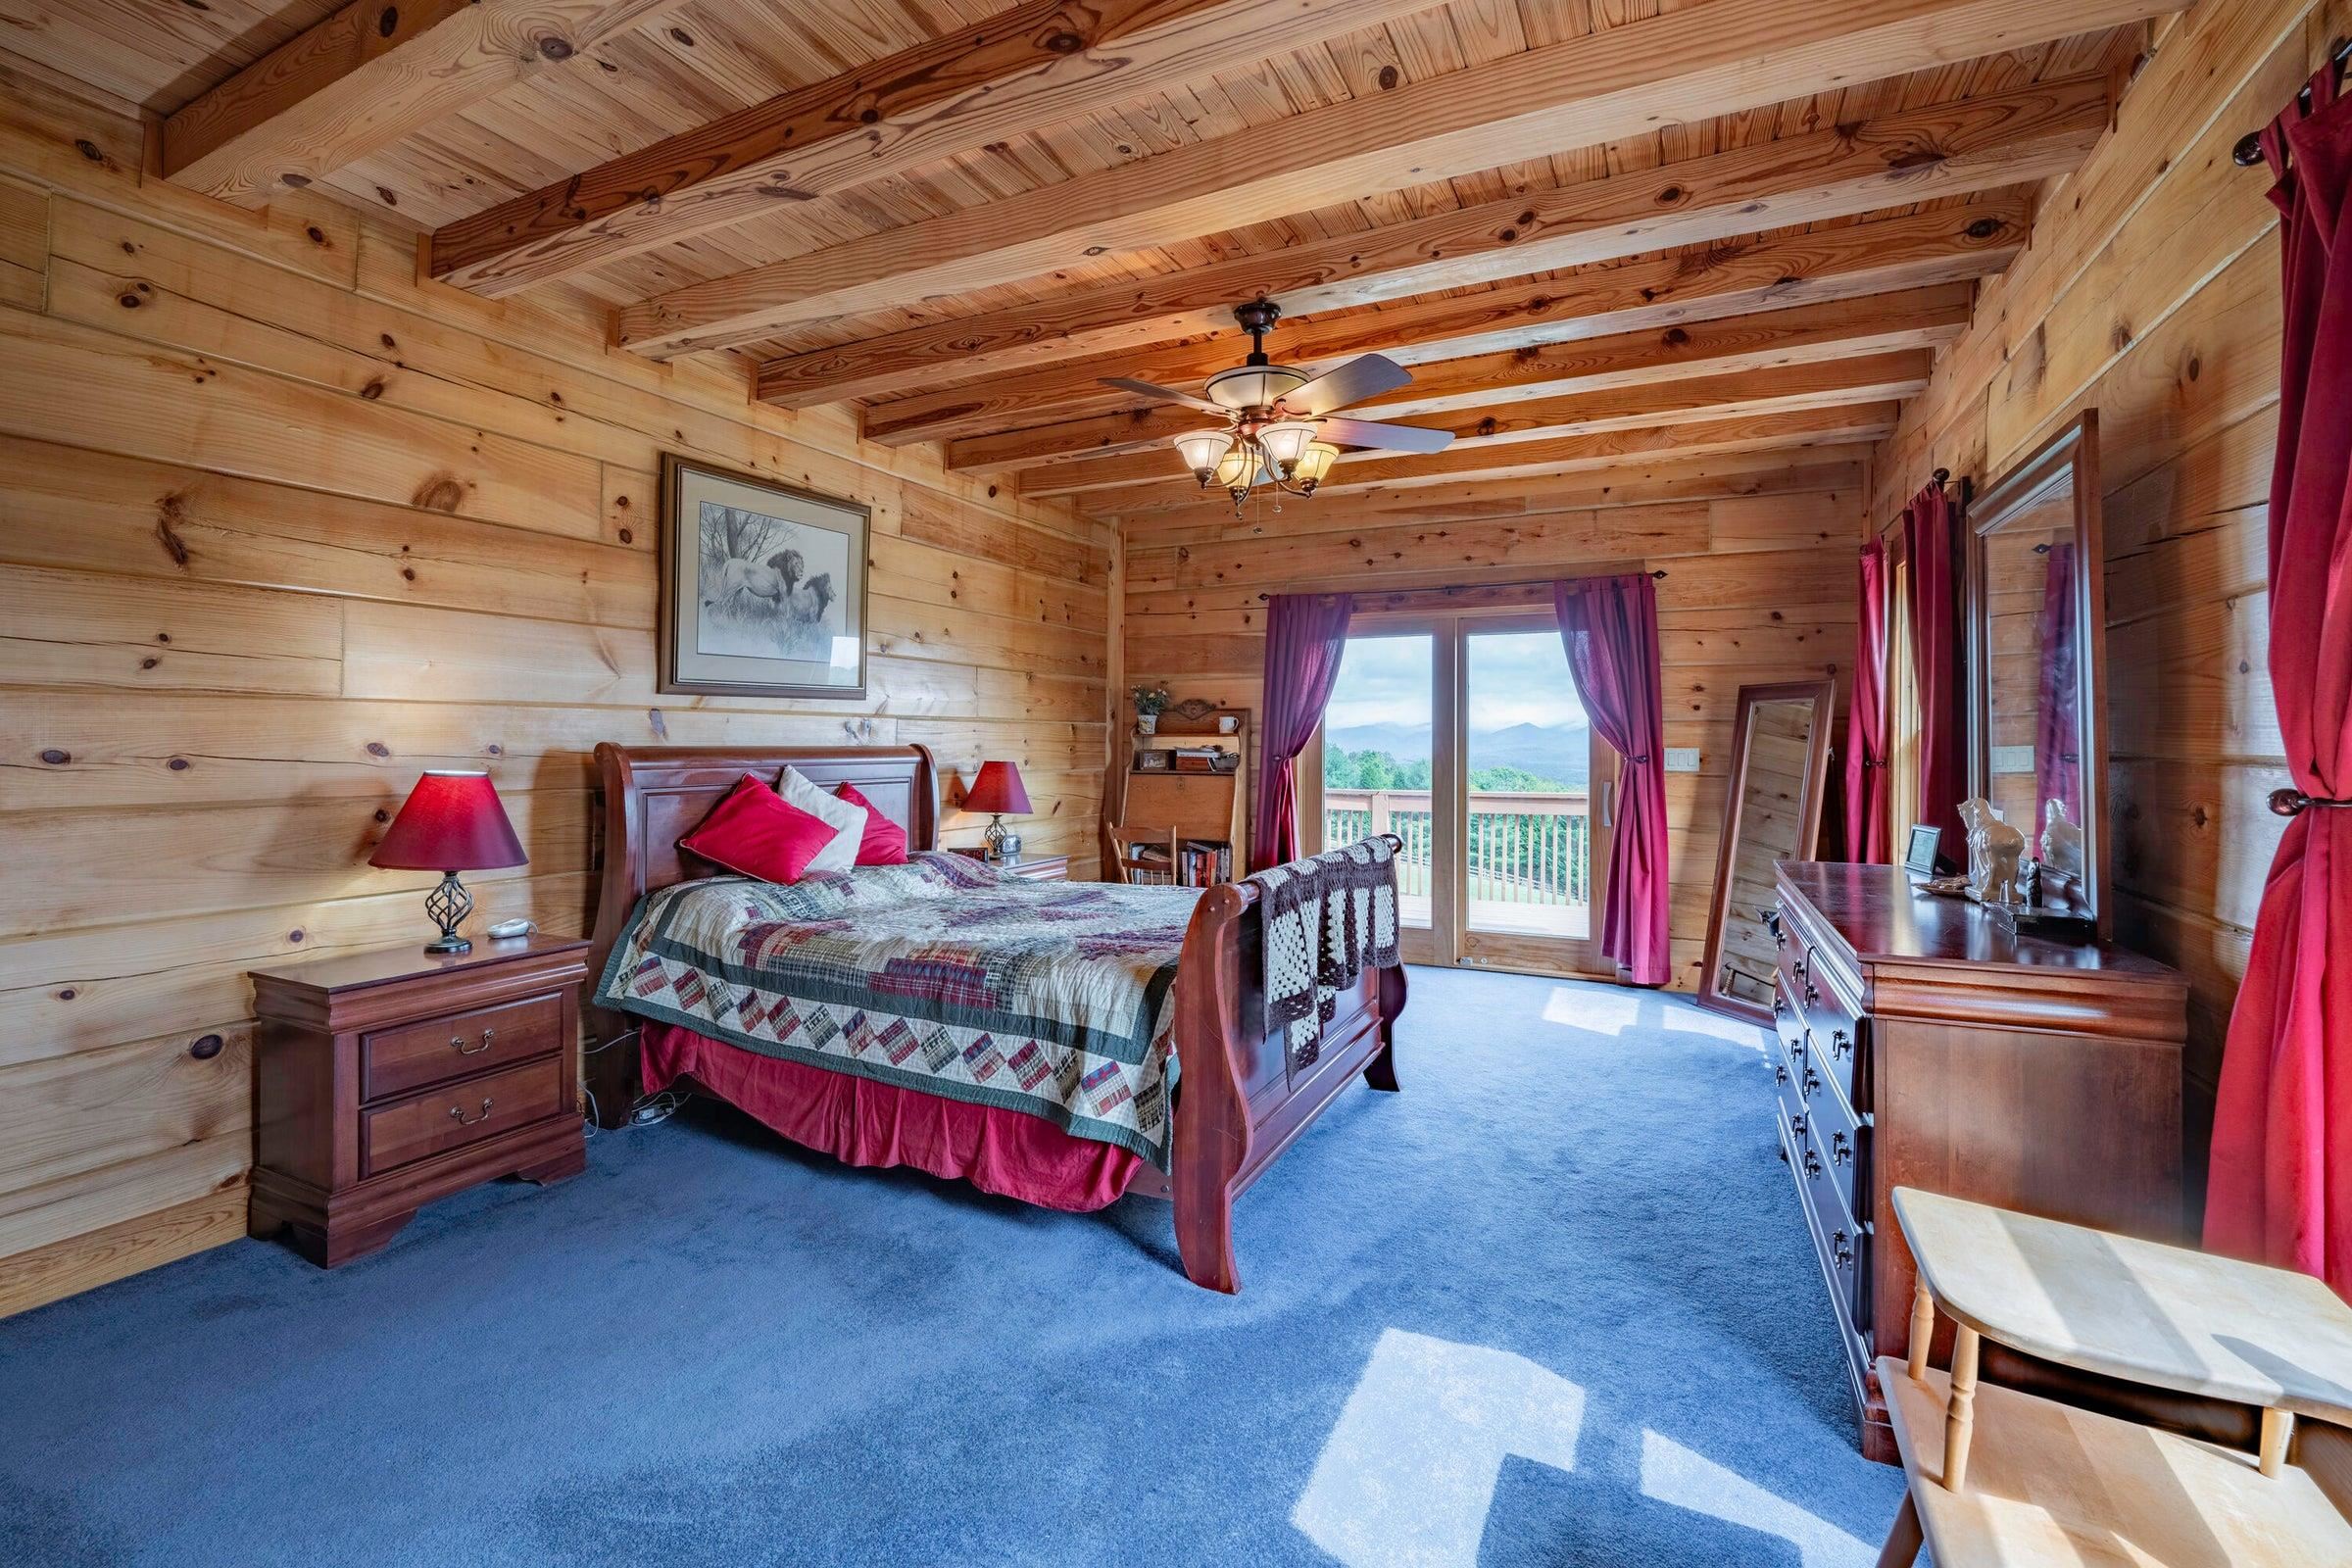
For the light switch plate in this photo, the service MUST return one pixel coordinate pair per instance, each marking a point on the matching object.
(1681, 759)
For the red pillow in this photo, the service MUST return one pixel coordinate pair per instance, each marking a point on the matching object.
(885, 842)
(754, 833)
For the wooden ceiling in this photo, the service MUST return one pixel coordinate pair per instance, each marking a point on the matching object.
(1601, 231)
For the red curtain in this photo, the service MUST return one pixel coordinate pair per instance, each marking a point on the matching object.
(1928, 533)
(1866, 836)
(2281, 1185)
(1610, 626)
(1306, 636)
(2057, 765)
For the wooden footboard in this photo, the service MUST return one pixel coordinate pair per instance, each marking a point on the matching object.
(1239, 1102)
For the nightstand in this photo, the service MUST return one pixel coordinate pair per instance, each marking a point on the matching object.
(384, 1080)
(1034, 867)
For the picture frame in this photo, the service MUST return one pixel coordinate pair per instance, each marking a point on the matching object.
(762, 586)
(1919, 856)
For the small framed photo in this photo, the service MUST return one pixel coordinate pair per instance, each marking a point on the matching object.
(1920, 857)
(762, 586)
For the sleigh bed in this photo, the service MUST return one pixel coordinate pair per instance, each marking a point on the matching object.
(1241, 1094)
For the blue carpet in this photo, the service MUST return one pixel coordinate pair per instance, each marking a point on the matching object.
(1553, 1303)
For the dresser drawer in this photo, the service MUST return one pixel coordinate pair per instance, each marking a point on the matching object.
(1835, 1032)
(458, 1114)
(402, 1060)
(1839, 1246)
(1826, 1130)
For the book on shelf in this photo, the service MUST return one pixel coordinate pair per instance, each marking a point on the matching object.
(1204, 862)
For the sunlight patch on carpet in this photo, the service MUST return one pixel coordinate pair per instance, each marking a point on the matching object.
(1408, 1473)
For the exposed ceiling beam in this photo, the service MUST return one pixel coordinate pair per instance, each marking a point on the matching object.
(369, 75)
(1731, 278)
(1872, 378)
(1038, 64)
(1179, 518)
(1575, 454)
(2010, 138)
(1691, 64)
(1803, 334)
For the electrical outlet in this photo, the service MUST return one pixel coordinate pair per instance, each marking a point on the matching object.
(1681, 759)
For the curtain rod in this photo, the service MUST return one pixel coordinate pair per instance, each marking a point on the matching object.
(2248, 151)
(1471, 588)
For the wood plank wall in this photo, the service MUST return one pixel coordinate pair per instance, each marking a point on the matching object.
(2150, 292)
(1758, 589)
(278, 527)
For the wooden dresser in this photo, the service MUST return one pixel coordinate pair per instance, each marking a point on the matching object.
(1922, 1043)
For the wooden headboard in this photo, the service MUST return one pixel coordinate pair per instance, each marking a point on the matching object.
(656, 795)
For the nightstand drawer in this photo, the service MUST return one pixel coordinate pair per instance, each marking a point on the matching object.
(451, 1117)
(397, 1061)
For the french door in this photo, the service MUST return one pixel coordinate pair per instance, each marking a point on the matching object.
(1462, 734)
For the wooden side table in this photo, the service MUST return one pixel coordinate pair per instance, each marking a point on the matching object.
(384, 1080)
(2028, 1480)
(1033, 867)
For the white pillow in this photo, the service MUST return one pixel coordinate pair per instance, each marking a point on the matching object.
(848, 819)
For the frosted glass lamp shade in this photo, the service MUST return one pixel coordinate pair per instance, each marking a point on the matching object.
(1315, 462)
(1285, 441)
(1202, 450)
(1247, 386)
(1242, 468)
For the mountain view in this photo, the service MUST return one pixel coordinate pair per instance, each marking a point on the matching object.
(1517, 757)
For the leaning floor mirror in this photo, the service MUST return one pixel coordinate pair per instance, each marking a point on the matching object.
(1772, 812)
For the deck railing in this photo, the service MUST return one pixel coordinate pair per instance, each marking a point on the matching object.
(1530, 848)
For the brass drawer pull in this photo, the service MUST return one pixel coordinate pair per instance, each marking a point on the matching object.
(456, 1113)
(457, 1043)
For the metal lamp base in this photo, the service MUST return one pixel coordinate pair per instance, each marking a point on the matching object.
(449, 905)
(1003, 845)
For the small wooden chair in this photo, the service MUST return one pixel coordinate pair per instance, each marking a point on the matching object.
(1143, 856)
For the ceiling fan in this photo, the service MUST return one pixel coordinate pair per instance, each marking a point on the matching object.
(1280, 430)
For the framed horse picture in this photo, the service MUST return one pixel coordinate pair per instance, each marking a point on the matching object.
(762, 586)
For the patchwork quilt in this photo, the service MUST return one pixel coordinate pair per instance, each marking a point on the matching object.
(943, 975)
(1328, 918)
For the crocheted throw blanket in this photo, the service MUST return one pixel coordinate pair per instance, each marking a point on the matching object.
(1326, 920)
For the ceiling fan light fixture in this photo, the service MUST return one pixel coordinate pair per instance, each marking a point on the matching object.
(1253, 386)
(1284, 441)
(1204, 450)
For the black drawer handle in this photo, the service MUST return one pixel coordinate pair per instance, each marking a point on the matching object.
(456, 1113)
(457, 1043)
(1842, 1152)
(1839, 1045)
(1779, 1075)
(1772, 919)
(1796, 1050)
(1812, 1164)
(1841, 1247)
(1779, 1004)
(1797, 1125)
(1812, 1084)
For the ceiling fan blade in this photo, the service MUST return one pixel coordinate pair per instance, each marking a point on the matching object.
(1162, 394)
(1387, 437)
(1367, 375)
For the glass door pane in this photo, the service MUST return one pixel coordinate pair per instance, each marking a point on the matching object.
(1528, 821)
(1377, 755)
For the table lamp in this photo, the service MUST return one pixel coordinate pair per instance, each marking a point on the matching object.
(451, 822)
(995, 791)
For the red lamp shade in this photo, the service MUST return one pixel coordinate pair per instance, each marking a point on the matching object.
(997, 789)
(449, 822)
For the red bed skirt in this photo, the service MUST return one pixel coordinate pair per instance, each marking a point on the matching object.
(861, 1122)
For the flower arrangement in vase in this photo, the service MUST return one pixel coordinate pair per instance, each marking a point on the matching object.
(1150, 701)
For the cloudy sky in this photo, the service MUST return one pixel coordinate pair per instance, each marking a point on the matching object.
(1515, 678)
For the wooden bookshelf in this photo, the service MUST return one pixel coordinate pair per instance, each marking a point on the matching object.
(1203, 808)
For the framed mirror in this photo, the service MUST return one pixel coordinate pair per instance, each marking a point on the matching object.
(1772, 812)
(2037, 667)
